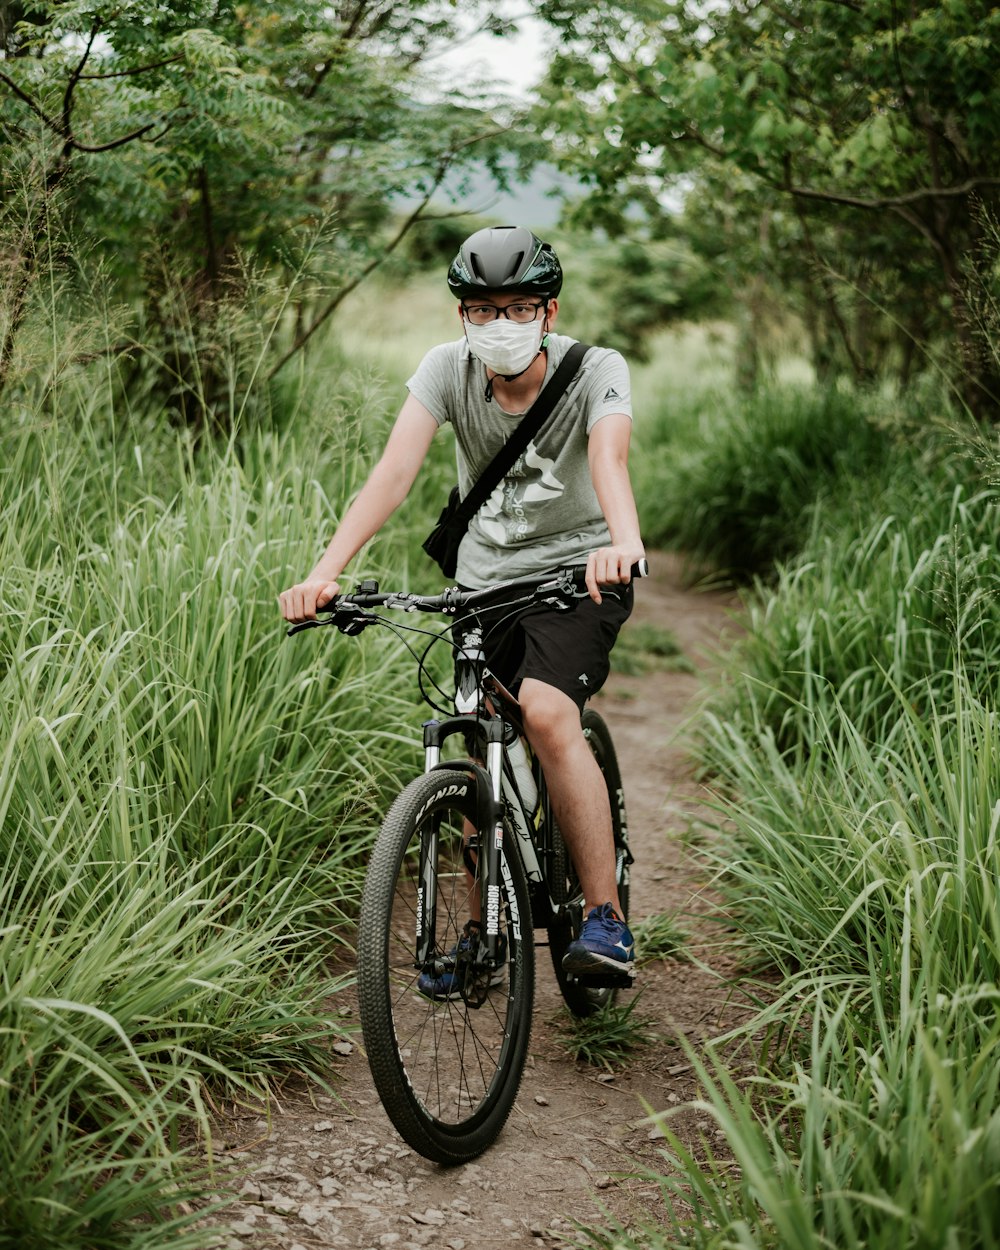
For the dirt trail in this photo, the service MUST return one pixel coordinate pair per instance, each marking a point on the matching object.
(335, 1175)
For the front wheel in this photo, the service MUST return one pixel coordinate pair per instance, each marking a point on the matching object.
(446, 1038)
(581, 999)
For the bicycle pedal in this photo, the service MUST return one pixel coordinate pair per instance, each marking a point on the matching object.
(605, 980)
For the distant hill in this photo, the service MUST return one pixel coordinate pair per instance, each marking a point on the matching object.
(537, 202)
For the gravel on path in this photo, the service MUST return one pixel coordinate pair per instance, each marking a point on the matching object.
(334, 1174)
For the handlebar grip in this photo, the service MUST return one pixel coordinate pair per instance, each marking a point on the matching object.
(640, 569)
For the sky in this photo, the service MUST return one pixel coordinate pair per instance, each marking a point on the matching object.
(513, 64)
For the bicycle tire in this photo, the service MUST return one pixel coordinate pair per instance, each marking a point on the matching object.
(447, 1072)
(581, 999)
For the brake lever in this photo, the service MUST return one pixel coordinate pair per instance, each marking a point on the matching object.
(557, 601)
(569, 587)
(297, 629)
(352, 623)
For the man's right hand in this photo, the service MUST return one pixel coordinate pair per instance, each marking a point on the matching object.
(299, 603)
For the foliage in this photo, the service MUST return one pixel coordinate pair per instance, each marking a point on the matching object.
(433, 243)
(855, 754)
(185, 797)
(641, 647)
(873, 611)
(869, 881)
(838, 154)
(129, 979)
(183, 144)
(738, 494)
(606, 1038)
(633, 288)
(660, 936)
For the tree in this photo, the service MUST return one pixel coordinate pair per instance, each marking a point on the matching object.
(858, 143)
(189, 139)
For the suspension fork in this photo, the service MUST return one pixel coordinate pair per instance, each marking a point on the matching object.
(489, 854)
(426, 923)
(489, 823)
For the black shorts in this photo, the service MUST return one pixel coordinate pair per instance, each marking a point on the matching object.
(569, 650)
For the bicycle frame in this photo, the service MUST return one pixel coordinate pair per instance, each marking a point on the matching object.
(486, 717)
(446, 934)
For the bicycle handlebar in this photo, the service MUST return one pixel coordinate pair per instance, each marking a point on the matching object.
(566, 583)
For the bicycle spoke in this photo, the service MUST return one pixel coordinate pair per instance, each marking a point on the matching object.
(454, 1049)
(447, 1047)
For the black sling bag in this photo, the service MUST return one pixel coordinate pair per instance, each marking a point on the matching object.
(442, 543)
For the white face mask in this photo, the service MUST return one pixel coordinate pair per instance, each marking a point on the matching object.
(504, 346)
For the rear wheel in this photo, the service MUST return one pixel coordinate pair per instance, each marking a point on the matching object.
(580, 998)
(446, 1035)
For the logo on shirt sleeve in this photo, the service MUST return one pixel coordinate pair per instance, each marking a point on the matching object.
(611, 393)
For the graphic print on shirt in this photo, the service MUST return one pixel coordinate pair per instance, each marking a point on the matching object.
(505, 517)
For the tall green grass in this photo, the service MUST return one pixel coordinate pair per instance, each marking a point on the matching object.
(873, 1115)
(855, 752)
(186, 797)
(732, 479)
(899, 577)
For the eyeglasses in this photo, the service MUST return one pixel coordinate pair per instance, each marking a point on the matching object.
(483, 314)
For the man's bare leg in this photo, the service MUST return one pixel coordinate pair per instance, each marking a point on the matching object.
(576, 786)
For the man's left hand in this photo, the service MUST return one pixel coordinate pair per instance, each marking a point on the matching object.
(609, 566)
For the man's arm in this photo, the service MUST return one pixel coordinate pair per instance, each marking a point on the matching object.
(607, 449)
(386, 488)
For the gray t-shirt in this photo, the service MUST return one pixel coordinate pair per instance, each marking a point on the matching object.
(545, 513)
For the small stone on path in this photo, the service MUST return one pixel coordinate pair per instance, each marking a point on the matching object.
(430, 1216)
(281, 1204)
(310, 1214)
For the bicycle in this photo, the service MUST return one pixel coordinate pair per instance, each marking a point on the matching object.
(472, 836)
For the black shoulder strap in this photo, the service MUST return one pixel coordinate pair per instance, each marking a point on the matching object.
(521, 437)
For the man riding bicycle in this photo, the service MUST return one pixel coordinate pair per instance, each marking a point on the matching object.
(567, 500)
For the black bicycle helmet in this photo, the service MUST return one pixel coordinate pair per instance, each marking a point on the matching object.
(505, 257)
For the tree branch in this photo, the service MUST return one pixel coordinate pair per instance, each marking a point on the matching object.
(114, 143)
(74, 78)
(65, 134)
(785, 16)
(139, 69)
(35, 108)
(828, 294)
(892, 201)
(444, 165)
(854, 5)
(354, 24)
(355, 282)
(689, 135)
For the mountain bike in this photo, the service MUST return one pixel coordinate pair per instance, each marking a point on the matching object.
(446, 1004)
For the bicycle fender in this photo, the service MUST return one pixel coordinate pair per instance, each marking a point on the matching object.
(488, 813)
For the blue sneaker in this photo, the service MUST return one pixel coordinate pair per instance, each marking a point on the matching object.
(445, 985)
(605, 944)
